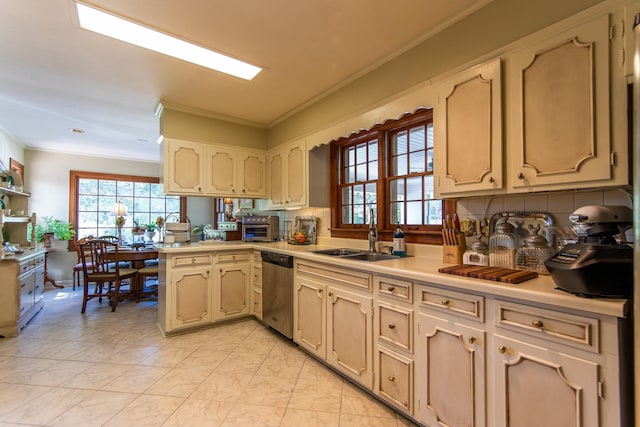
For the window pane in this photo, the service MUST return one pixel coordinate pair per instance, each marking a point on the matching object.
(414, 212)
(347, 196)
(350, 175)
(397, 190)
(417, 139)
(88, 186)
(107, 188)
(414, 188)
(373, 170)
(373, 150)
(157, 205)
(125, 188)
(141, 204)
(400, 143)
(358, 214)
(361, 153)
(433, 210)
(106, 203)
(87, 203)
(396, 213)
(361, 172)
(429, 192)
(346, 214)
(351, 156)
(417, 164)
(157, 190)
(141, 189)
(358, 194)
(371, 195)
(400, 165)
(173, 204)
(430, 161)
(430, 135)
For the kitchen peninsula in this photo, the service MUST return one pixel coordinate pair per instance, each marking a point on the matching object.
(421, 340)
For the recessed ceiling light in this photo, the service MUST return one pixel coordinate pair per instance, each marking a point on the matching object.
(121, 29)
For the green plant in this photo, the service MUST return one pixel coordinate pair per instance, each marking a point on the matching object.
(62, 230)
(150, 227)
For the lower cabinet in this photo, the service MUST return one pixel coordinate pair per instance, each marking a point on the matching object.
(450, 374)
(231, 285)
(333, 320)
(256, 285)
(190, 293)
(537, 386)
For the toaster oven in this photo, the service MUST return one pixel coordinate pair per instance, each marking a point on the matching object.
(260, 228)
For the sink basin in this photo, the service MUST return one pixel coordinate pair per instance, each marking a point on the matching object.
(355, 254)
(339, 252)
(368, 256)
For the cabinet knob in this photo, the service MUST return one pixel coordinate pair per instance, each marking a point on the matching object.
(445, 302)
(330, 294)
(471, 340)
(391, 288)
(193, 260)
(391, 379)
(537, 324)
(392, 326)
(520, 176)
(491, 180)
(502, 349)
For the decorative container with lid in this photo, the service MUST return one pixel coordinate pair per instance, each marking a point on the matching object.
(534, 252)
(503, 244)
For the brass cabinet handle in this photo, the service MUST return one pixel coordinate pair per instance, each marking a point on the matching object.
(521, 176)
(391, 379)
(391, 288)
(502, 349)
(392, 326)
(330, 294)
(471, 340)
(491, 180)
(537, 324)
(445, 302)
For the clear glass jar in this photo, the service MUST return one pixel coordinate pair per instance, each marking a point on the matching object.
(478, 252)
(503, 244)
(534, 252)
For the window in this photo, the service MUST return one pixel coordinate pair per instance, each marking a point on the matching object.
(389, 168)
(93, 195)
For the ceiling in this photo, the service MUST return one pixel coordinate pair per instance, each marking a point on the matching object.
(55, 76)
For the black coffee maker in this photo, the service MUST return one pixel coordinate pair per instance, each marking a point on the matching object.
(601, 263)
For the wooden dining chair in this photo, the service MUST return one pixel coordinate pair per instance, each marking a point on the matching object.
(77, 269)
(107, 274)
(145, 273)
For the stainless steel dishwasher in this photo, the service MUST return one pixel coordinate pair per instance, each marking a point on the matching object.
(277, 292)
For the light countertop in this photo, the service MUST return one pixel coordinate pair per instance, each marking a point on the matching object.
(424, 269)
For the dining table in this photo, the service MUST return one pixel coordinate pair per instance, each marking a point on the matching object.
(137, 258)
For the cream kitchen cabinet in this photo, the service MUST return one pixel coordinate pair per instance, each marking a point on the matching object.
(231, 285)
(235, 173)
(560, 95)
(333, 317)
(450, 358)
(191, 288)
(468, 125)
(192, 168)
(256, 285)
(287, 167)
(183, 167)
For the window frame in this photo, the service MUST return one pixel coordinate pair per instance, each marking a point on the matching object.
(427, 234)
(74, 179)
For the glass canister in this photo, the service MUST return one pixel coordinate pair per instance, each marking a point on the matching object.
(478, 252)
(534, 252)
(503, 244)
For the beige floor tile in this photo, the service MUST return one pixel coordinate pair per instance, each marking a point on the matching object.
(12, 396)
(243, 415)
(204, 359)
(198, 413)
(179, 382)
(146, 410)
(268, 391)
(47, 406)
(222, 386)
(96, 376)
(167, 356)
(356, 402)
(347, 420)
(241, 363)
(95, 410)
(317, 396)
(58, 374)
(257, 345)
(136, 379)
(227, 343)
(306, 418)
(284, 360)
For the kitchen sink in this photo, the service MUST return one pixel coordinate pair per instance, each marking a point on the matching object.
(355, 254)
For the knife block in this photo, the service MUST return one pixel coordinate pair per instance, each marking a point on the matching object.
(452, 254)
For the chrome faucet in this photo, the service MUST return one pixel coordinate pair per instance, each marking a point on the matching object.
(373, 232)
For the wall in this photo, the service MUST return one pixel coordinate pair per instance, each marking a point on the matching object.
(9, 149)
(47, 177)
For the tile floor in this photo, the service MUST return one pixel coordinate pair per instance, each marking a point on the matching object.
(116, 369)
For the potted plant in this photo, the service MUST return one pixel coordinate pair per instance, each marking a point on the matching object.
(51, 228)
(150, 231)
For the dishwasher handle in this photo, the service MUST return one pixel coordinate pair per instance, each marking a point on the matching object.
(277, 259)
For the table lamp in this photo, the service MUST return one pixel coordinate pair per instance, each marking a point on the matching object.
(119, 211)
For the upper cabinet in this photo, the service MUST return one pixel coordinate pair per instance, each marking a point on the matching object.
(235, 173)
(559, 111)
(468, 155)
(192, 168)
(564, 103)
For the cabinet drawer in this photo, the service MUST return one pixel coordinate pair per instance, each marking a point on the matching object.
(233, 257)
(356, 279)
(395, 382)
(188, 260)
(395, 326)
(466, 305)
(394, 288)
(563, 328)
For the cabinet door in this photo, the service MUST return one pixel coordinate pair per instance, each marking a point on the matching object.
(221, 172)
(231, 291)
(276, 179)
(252, 172)
(350, 334)
(310, 316)
(468, 156)
(560, 109)
(296, 175)
(38, 286)
(540, 387)
(450, 373)
(184, 167)
(191, 295)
